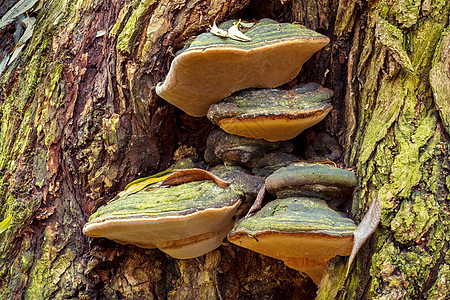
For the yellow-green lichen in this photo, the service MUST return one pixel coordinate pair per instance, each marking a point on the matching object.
(392, 38)
(441, 287)
(47, 272)
(414, 218)
(54, 90)
(203, 284)
(134, 25)
(400, 151)
(439, 80)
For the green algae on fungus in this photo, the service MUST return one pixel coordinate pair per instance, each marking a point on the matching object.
(312, 180)
(272, 114)
(184, 221)
(303, 232)
(211, 68)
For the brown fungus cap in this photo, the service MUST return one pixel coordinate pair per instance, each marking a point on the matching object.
(272, 114)
(271, 162)
(312, 180)
(303, 232)
(211, 68)
(184, 221)
(238, 150)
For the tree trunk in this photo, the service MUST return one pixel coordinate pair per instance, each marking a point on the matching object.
(397, 126)
(80, 119)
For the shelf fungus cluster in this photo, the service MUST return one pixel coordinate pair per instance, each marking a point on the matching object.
(212, 66)
(189, 212)
(299, 227)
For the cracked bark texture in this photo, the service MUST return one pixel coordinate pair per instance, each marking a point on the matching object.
(396, 103)
(80, 119)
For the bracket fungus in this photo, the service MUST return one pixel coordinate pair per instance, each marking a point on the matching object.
(233, 149)
(211, 68)
(303, 232)
(299, 227)
(184, 218)
(311, 180)
(272, 114)
(273, 161)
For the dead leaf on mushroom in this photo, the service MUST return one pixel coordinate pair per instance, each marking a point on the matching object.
(188, 175)
(5, 224)
(142, 183)
(217, 31)
(233, 32)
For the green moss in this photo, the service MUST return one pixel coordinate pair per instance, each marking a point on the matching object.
(406, 12)
(133, 26)
(441, 287)
(424, 42)
(381, 165)
(40, 168)
(447, 182)
(432, 168)
(109, 133)
(203, 286)
(51, 90)
(105, 139)
(345, 19)
(438, 236)
(417, 265)
(392, 38)
(406, 168)
(47, 272)
(400, 150)
(21, 113)
(334, 281)
(383, 261)
(124, 14)
(414, 218)
(440, 82)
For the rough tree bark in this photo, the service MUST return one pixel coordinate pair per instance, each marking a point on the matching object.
(80, 119)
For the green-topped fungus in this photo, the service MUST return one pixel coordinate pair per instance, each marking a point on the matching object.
(272, 114)
(311, 180)
(299, 227)
(183, 219)
(211, 68)
(303, 232)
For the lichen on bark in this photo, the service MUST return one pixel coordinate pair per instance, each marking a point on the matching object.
(79, 120)
(400, 153)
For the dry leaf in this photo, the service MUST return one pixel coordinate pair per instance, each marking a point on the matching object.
(365, 229)
(235, 34)
(217, 31)
(5, 224)
(188, 175)
(258, 201)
